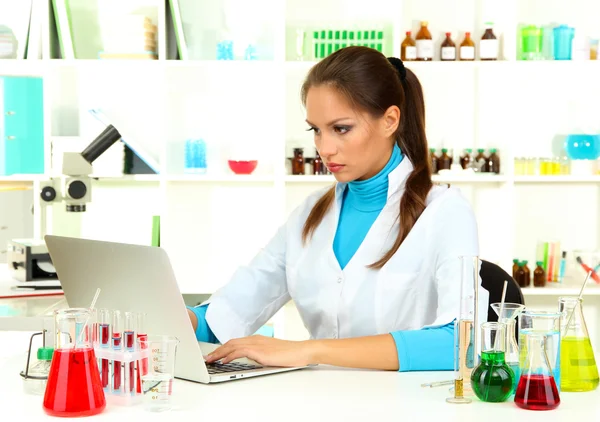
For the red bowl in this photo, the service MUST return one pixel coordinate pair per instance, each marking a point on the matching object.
(242, 167)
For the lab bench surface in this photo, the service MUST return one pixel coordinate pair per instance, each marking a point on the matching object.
(316, 394)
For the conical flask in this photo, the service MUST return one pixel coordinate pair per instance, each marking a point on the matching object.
(537, 388)
(578, 365)
(510, 312)
(73, 387)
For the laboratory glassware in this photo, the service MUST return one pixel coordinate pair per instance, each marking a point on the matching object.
(408, 49)
(142, 365)
(74, 387)
(195, 156)
(466, 330)
(563, 42)
(424, 43)
(129, 345)
(492, 380)
(541, 322)
(104, 335)
(510, 313)
(537, 388)
(157, 384)
(117, 345)
(579, 371)
(531, 42)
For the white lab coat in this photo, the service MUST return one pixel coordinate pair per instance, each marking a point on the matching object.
(418, 287)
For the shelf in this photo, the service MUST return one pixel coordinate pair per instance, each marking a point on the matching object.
(557, 179)
(127, 178)
(232, 178)
(555, 289)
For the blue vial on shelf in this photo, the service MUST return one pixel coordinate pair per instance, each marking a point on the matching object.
(195, 156)
(225, 50)
(250, 53)
(583, 146)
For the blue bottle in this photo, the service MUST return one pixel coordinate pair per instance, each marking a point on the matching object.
(582, 146)
(563, 41)
(195, 156)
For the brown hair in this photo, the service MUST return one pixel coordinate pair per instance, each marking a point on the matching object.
(372, 84)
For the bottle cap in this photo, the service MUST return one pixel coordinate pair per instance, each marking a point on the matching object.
(448, 34)
(480, 150)
(444, 150)
(564, 254)
(525, 262)
(515, 261)
(469, 150)
(467, 34)
(493, 150)
(539, 263)
(408, 33)
(45, 353)
(424, 23)
(489, 24)
(431, 149)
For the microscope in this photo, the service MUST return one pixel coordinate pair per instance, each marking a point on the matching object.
(28, 259)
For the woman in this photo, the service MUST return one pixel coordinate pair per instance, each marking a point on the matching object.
(371, 263)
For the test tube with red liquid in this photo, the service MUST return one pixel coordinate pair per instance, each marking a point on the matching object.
(129, 338)
(116, 346)
(142, 365)
(104, 322)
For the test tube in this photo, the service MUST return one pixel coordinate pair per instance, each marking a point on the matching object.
(104, 341)
(142, 365)
(465, 332)
(129, 340)
(116, 346)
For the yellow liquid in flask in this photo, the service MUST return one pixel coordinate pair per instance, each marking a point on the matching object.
(577, 365)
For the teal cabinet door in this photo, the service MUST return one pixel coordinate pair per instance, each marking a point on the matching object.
(23, 125)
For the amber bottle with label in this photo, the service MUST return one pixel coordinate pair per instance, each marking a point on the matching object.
(515, 268)
(481, 162)
(318, 166)
(408, 50)
(539, 275)
(493, 162)
(424, 43)
(527, 274)
(467, 48)
(448, 49)
(445, 160)
(488, 46)
(298, 161)
(434, 161)
(520, 276)
(465, 160)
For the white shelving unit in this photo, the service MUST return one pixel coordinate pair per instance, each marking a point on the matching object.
(212, 223)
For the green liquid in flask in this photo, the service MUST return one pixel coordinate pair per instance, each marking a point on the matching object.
(577, 364)
(492, 380)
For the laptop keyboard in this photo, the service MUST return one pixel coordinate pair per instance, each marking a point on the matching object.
(219, 368)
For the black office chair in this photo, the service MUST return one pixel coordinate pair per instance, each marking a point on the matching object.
(492, 279)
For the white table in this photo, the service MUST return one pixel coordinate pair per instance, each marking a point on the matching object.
(321, 394)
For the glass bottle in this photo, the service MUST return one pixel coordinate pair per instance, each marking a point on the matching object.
(424, 43)
(318, 166)
(298, 161)
(579, 371)
(539, 275)
(508, 315)
(465, 160)
(481, 162)
(537, 389)
(74, 388)
(467, 48)
(515, 267)
(408, 50)
(434, 161)
(520, 278)
(527, 274)
(445, 160)
(493, 162)
(488, 46)
(448, 49)
(492, 380)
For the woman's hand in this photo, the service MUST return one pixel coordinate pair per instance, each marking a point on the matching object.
(265, 350)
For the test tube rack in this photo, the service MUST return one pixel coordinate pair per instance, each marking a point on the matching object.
(327, 41)
(124, 387)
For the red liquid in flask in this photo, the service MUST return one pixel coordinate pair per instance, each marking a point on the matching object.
(74, 387)
(116, 363)
(537, 392)
(129, 345)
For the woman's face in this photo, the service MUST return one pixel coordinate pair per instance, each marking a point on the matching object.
(352, 144)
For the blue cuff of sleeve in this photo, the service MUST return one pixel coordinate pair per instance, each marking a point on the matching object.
(429, 349)
(203, 332)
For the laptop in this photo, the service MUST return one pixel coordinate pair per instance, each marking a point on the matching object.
(140, 278)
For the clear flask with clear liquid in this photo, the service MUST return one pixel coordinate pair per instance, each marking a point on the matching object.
(510, 312)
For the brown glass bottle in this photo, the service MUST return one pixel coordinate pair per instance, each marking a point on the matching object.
(408, 50)
(445, 160)
(515, 267)
(481, 162)
(493, 162)
(298, 161)
(424, 43)
(434, 161)
(467, 48)
(539, 275)
(318, 166)
(465, 160)
(448, 49)
(488, 46)
(527, 274)
(520, 276)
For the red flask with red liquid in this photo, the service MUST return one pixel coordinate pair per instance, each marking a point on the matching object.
(74, 387)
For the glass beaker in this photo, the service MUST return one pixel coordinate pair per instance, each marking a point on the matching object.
(74, 387)
(157, 384)
(537, 388)
(492, 380)
(510, 312)
(531, 42)
(563, 41)
(578, 365)
(541, 322)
